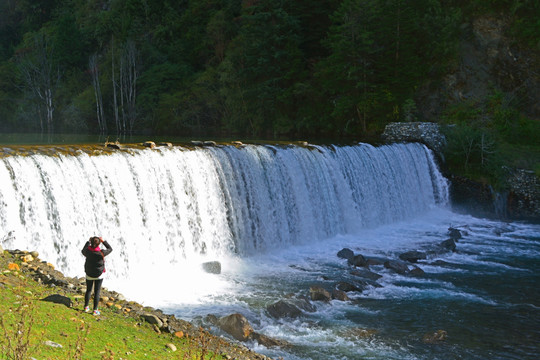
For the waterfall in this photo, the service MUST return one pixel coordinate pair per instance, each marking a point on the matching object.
(170, 205)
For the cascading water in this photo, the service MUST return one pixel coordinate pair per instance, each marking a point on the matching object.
(170, 205)
(275, 217)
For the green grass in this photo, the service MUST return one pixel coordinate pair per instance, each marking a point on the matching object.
(113, 335)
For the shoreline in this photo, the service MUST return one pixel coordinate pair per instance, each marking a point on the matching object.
(71, 290)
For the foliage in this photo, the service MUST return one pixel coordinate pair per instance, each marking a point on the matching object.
(232, 67)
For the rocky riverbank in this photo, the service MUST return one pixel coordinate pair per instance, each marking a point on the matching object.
(69, 291)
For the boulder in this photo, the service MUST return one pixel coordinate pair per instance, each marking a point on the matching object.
(282, 309)
(413, 256)
(212, 267)
(210, 143)
(366, 274)
(152, 319)
(454, 234)
(149, 144)
(339, 295)
(268, 341)
(237, 326)
(291, 308)
(317, 293)
(357, 260)
(59, 299)
(449, 245)
(345, 286)
(437, 336)
(398, 266)
(345, 254)
(416, 271)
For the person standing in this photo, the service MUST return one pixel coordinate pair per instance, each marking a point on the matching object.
(94, 267)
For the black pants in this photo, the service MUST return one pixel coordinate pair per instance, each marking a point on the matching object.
(97, 290)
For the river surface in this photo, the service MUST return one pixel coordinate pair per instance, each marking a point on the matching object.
(485, 295)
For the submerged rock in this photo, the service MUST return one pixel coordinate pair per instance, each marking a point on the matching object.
(339, 295)
(366, 274)
(212, 267)
(345, 254)
(437, 336)
(398, 266)
(449, 245)
(358, 260)
(454, 234)
(413, 256)
(317, 293)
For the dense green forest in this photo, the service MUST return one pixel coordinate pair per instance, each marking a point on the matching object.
(251, 68)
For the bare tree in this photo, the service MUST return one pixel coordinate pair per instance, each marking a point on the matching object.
(94, 72)
(115, 86)
(126, 86)
(41, 77)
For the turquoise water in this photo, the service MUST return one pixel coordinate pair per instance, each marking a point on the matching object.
(485, 296)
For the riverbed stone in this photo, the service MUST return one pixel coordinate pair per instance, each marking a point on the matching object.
(366, 274)
(413, 256)
(212, 267)
(317, 293)
(449, 245)
(358, 260)
(339, 295)
(345, 253)
(398, 266)
(237, 326)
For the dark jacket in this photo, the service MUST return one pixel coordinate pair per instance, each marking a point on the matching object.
(94, 265)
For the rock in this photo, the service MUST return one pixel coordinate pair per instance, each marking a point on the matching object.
(27, 258)
(268, 341)
(449, 245)
(237, 326)
(454, 234)
(149, 144)
(13, 267)
(212, 319)
(210, 143)
(317, 293)
(366, 274)
(425, 132)
(171, 347)
(413, 256)
(52, 344)
(115, 145)
(437, 336)
(212, 267)
(59, 299)
(197, 143)
(165, 144)
(152, 319)
(398, 266)
(339, 295)
(357, 260)
(345, 254)
(345, 286)
(35, 254)
(374, 262)
(416, 271)
(283, 308)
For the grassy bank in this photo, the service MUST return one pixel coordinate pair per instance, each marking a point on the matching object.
(33, 328)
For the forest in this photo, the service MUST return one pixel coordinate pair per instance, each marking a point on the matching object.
(231, 68)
